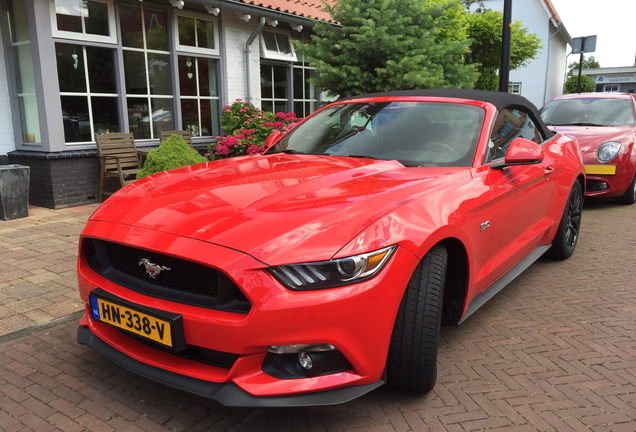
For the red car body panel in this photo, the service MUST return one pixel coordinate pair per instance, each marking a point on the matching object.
(243, 215)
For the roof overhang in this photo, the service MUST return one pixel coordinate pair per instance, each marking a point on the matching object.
(259, 11)
(556, 21)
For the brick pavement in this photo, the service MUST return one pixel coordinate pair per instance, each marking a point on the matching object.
(38, 282)
(556, 350)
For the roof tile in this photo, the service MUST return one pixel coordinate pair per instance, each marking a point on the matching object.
(305, 8)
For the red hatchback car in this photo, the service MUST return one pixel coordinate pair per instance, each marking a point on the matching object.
(322, 269)
(605, 126)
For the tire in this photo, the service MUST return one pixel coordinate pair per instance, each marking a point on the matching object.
(568, 233)
(412, 359)
(629, 197)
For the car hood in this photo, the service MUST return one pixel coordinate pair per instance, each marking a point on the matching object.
(590, 137)
(272, 207)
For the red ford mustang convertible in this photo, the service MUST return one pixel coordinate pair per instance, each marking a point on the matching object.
(322, 269)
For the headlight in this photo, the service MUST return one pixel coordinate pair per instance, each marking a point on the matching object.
(608, 151)
(333, 273)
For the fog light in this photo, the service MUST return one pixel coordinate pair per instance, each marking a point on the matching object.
(603, 186)
(305, 360)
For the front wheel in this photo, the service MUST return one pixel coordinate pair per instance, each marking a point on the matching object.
(412, 360)
(629, 197)
(568, 233)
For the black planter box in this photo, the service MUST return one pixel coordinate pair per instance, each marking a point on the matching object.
(14, 191)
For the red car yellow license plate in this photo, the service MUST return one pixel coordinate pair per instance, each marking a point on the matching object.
(147, 323)
(600, 169)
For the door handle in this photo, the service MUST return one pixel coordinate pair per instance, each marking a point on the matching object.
(548, 171)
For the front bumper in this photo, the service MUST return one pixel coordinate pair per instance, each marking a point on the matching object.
(357, 320)
(228, 394)
(608, 180)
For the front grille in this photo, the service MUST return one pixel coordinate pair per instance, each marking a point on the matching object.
(183, 276)
(185, 281)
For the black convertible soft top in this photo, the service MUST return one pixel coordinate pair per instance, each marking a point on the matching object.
(500, 100)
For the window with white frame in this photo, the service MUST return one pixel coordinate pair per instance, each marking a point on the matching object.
(275, 87)
(25, 80)
(199, 96)
(94, 101)
(515, 88)
(196, 33)
(276, 45)
(88, 93)
(285, 86)
(147, 70)
(304, 93)
(197, 46)
(89, 20)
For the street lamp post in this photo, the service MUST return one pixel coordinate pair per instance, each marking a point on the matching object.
(504, 70)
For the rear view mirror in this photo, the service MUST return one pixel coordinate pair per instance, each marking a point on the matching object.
(520, 152)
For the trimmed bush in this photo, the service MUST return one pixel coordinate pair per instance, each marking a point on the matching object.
(172, 153)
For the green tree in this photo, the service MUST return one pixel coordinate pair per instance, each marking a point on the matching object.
(587, 84)
(479, 5)
(485, 30)
(588, 63)
(386, 45)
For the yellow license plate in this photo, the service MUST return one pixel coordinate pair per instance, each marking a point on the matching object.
(600, 169)
(132, 320)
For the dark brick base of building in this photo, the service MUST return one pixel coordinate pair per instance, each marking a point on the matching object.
(60, 180)
(65, 179)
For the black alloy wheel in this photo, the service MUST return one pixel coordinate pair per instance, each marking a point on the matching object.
(570, 226)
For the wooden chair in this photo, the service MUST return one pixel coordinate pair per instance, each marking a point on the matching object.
(118, 157)
(185, 134)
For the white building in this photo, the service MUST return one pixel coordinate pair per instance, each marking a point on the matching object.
(614, 79)
(544, 77)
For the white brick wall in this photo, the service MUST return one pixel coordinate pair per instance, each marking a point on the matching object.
(235, 35)
(7, 142)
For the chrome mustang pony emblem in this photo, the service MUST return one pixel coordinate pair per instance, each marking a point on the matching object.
(152, 269)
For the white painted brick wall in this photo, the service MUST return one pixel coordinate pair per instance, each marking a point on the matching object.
(7, 142)
(236, 33)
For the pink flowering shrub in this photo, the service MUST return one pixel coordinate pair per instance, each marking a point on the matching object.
(246, 128)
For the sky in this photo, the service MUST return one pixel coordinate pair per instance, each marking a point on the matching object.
(612, 21)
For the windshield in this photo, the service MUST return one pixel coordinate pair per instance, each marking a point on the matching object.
(414, 133)
(589, 112)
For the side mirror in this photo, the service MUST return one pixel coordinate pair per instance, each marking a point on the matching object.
(520, 152)
(272, 139)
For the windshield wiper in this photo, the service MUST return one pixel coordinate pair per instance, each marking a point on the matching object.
(574, 124)
(292, 151)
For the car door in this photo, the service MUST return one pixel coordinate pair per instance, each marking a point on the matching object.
(520, 195)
